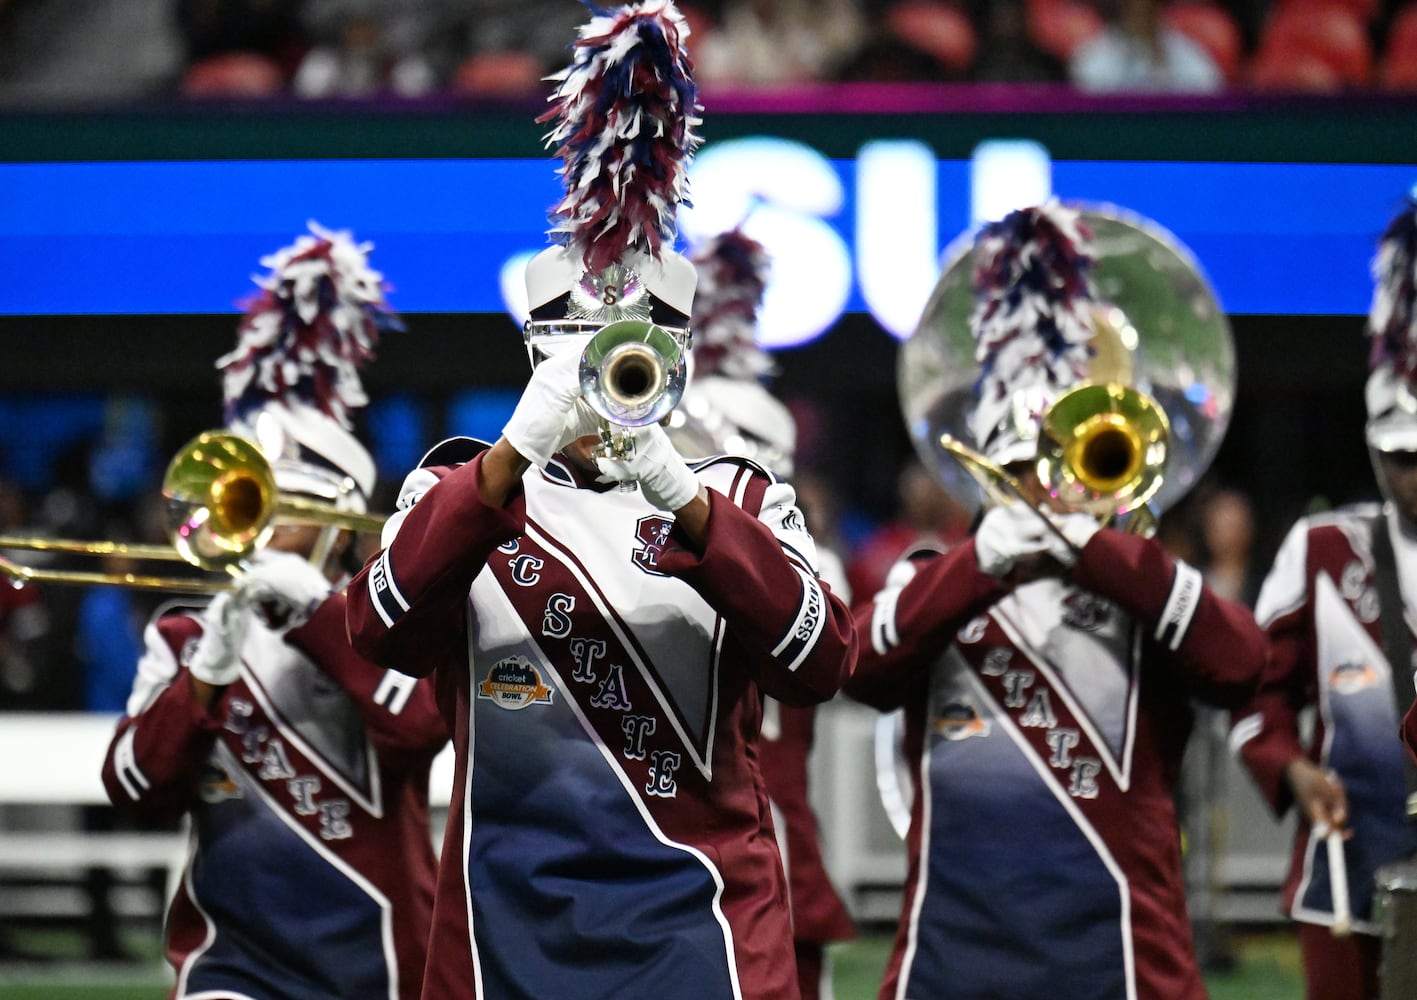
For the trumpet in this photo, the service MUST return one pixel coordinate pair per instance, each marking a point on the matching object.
(222, 505)
(632, 374)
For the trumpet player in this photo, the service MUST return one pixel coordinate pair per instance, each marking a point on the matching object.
(603, 629)
(302, 768)
(1046, 666)
(1335, 607)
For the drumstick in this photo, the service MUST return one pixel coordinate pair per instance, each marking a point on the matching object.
(1337, 878)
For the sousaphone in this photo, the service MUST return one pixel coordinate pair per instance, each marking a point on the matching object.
(1146, 423)
(1132, 439)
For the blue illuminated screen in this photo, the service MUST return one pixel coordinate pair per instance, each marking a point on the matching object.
(182, 237)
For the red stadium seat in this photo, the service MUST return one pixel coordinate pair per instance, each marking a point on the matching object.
(1211, 27)
(939, 29)
(1297, 72)
(1364, 10)
(1399, 63)
(1060, 26)
(1318, 30)
(502, 74)
(234, 74)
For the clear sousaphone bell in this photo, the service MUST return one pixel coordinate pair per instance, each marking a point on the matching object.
(1147, 420)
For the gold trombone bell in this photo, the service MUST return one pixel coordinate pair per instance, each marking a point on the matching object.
(1104, 448)
(222, 505)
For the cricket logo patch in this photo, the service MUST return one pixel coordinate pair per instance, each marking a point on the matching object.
(959, 720)
(1352, 677)
(514, 683)
(216, 785)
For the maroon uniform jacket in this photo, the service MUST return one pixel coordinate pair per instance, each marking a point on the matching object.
(610, 834)
(1047, 724)
(311, 869)
(1321, 608)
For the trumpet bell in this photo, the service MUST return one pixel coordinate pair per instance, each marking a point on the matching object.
(221, 499)
(1104, 447)
(633, 373)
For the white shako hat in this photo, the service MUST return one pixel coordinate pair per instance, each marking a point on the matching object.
(1391, 391)
(292, 382)
(727, 407)
(625, 112)
(1031, 324)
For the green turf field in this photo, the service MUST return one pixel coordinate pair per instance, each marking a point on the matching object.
(1267, 969)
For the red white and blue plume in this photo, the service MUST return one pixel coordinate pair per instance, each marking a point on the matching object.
(1391, 391)
(1032, 315)
(306, 334)
(1392, 318)
(625, 112)
(733, 271)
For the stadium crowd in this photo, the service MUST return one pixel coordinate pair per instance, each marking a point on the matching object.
(343, 49)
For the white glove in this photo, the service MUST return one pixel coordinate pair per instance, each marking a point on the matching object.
(665, 480)
(1012, 531)
(551, 413)
(1079, 529)
(283, 588)
(217, 658)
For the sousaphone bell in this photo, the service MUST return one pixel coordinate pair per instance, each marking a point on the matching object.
(1147, 420)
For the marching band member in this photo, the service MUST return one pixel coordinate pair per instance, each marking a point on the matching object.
(603, 631)
(303, 767)
(1046, 669)
(727, 408)
(1333, 607)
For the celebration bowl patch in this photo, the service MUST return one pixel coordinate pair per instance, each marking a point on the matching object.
(216, 785)
(514, 683)
(959, 720)
(1352, 677)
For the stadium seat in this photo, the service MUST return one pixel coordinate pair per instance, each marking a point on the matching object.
(1320, 30)
(1399, 62)
(939, 29)
(1211, 27)
(233, 74)
(1293, 72)
(1060, 26)
(499, 74)
(1364, 10)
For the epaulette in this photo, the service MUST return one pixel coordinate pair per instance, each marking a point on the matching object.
(191, 606)
(704, 464)
(453, 451)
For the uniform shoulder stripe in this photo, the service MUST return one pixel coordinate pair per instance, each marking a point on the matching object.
(1181, 605)
(384, 594)
(807, 625)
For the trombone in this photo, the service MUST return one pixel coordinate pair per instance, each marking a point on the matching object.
(222, 505)
(1103, 448)
(1144, 424)
(18, 574)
